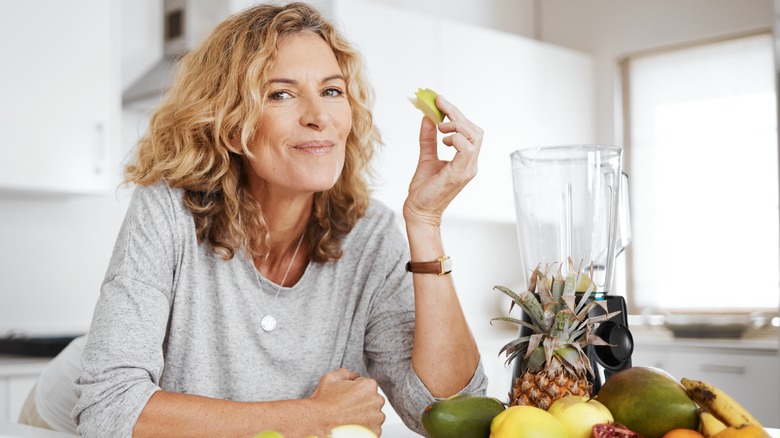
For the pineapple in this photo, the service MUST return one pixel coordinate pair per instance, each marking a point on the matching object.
(554, 363)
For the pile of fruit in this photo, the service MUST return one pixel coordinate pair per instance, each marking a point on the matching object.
(551, 398)
(639, 402)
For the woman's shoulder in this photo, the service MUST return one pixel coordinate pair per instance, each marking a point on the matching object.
(158, 194)
(158, 204)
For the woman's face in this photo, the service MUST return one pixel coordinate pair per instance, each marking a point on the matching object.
(300, 144)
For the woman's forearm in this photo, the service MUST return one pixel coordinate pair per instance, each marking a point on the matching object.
(445, 354)
(183, 415)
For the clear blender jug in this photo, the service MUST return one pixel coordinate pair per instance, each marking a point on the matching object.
(570, 204)
(567, 206)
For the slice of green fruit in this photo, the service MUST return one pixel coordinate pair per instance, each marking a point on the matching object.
(425, 100)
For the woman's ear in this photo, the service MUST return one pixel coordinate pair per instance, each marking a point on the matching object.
(234, 142)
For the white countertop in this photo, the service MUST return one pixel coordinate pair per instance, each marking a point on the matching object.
(15, 430)
(765, 339)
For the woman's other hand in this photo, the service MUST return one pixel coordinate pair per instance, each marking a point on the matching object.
(343, 397)
(436, 182)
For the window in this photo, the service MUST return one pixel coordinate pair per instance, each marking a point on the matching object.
(701, 151)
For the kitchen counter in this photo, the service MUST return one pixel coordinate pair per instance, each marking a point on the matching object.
(9, 430)
(15, 430)
(764, 339)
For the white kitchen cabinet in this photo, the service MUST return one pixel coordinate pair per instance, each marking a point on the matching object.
(747, 373)
(18, 388)
(522, 92)
(61, 97)
(18, 375)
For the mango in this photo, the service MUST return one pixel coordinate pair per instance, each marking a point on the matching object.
(461, 416)
(648, 401)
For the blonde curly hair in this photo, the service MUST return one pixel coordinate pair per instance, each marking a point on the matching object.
(215, 99)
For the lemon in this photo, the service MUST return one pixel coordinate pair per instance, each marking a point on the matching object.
(578, 414)
(526, 422)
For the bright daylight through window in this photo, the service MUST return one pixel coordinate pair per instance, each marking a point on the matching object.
(704, 177)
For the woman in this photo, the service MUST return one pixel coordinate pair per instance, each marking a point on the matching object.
(254, 285)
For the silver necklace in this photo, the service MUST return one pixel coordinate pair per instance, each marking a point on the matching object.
(268, 322)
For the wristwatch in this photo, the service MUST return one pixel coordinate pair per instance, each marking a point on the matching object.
(441, 266)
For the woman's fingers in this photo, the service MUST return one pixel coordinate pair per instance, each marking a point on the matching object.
(458, 124)
(339, 374)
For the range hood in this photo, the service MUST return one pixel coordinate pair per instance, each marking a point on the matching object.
(185, 24)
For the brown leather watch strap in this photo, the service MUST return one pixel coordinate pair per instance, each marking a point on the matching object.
(441, 266)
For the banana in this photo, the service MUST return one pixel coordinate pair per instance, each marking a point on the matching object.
(708, 424)
(720, 404)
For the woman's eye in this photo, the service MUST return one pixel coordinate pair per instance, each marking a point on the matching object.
(332, 92)
(280, 95)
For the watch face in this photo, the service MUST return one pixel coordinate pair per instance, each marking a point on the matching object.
(446, 265)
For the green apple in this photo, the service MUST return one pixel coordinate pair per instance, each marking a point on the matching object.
(351, 431)
(425, 100)
(268, 434)
(579, 414)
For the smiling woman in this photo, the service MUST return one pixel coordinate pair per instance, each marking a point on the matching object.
(254, 284)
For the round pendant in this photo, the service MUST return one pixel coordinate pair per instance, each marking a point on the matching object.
(268, 323)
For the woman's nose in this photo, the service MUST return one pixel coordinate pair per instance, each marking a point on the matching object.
(314, 114)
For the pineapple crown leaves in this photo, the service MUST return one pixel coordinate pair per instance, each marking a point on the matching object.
(560, 326)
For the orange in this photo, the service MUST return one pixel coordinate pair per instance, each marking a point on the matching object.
(683, 433)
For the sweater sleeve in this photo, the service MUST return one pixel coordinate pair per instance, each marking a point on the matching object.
(123, 358)
(389, 340)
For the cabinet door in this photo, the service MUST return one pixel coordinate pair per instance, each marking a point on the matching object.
(650, 357)
(749, 377)
(5, 414)
(60, 95)
(18, 389)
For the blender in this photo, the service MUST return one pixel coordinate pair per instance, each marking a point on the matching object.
(571, 202)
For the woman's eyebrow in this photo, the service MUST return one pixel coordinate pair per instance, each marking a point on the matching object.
(294, 82)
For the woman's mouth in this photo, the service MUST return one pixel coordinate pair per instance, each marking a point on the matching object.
(315, 147)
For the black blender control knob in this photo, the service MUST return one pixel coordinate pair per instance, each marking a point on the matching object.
(623, 342)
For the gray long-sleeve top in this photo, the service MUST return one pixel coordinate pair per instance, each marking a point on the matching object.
(173, 315)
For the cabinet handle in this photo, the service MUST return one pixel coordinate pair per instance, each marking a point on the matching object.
(100, 149)
(728, 369)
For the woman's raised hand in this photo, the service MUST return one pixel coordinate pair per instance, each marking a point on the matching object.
(436, 182)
